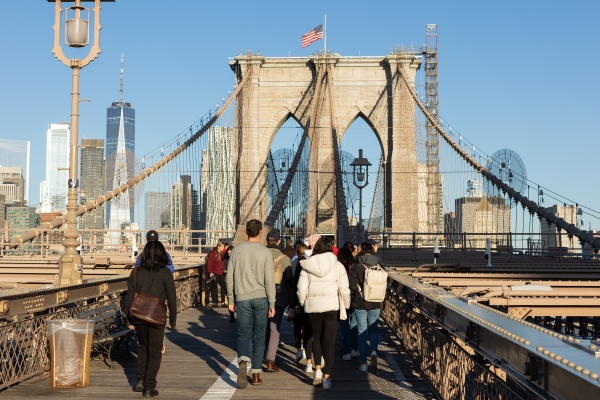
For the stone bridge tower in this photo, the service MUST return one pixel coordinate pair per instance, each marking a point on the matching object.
(286, 87)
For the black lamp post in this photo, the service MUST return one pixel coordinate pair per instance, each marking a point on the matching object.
(360, 167)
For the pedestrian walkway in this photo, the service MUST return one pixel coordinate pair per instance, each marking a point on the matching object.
(198, 364)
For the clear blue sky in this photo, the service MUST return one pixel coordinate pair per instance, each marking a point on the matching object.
(512, 74)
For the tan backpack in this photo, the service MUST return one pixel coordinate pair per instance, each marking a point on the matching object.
(278, 270)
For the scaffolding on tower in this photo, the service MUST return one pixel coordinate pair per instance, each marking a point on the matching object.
(435, 215)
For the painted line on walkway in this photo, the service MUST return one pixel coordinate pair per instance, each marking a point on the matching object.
(225, 386)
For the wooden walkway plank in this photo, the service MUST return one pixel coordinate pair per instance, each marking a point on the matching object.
(203, 347)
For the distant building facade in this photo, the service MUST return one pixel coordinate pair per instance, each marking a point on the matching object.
(21, 218)
(53, 191)
(12, 185)
(450, 232)
(550, 238)
(92, 183)
(16, 153)
(157, 213)
(2, 210)
(478, 213)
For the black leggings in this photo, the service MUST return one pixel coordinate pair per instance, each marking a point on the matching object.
(327, 324)
(307, 334)
(298, 329)
(214, 290)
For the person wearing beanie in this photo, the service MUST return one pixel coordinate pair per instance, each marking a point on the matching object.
(152, 236)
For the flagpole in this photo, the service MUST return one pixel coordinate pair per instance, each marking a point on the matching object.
(325, 35)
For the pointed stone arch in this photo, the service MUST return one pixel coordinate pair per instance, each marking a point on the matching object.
(366, 87)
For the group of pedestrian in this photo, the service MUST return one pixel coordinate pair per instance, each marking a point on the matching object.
(319, 288)
(318, 284)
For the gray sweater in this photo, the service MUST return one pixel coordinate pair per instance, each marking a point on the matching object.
(250, 274)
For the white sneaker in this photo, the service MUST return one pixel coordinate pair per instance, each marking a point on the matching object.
(308, 368)
(318, 378)
(354, 354)
(327, 383)
(374, 360)
(363, 367)
(300, 356)
(322, 362)
(347, 357)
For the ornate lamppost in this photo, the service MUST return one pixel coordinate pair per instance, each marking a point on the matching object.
(76, 35)
(360, 167)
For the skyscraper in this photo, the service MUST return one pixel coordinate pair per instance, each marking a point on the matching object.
(15, 153)
(217, 191)
(53, 191)
(92, 180)
(157, 209)
(120, 161)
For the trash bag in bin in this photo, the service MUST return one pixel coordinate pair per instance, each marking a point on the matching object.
(70, 342)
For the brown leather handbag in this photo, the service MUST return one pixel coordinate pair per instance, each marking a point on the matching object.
(147, 309)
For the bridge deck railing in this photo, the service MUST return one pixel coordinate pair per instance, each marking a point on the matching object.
(95, 241)
(468, 350)
(23, 317)
(507, 246)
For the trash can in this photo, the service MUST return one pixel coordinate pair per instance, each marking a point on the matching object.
(70, 342)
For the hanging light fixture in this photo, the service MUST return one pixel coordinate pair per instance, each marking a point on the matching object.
(77, 30)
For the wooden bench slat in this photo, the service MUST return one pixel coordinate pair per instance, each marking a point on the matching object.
(110, 314)
(113, 321)
(99, 310)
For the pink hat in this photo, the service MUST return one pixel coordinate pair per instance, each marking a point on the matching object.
(312, 240)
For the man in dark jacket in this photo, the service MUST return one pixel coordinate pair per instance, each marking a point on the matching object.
(283, 297)
(366, 313)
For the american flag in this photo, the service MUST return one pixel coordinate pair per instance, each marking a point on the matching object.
(312, 36)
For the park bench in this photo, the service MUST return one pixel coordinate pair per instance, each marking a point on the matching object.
(110, 327)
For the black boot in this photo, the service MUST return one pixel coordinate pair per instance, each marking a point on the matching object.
(150, 393)
(139, 386)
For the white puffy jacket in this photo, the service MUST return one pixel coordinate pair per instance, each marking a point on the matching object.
(320, 278)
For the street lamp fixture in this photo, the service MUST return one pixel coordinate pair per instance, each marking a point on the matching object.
(76, 35)
(360, 174)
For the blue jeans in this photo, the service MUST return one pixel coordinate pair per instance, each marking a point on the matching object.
(252, 324)
(349, 336)
(366, 322)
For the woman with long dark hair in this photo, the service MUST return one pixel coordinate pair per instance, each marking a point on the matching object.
(214, 267)
(321, 280)
(152, 279)
(366, 313)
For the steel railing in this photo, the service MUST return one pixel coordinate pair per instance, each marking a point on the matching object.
(398, 247)
(23, 316)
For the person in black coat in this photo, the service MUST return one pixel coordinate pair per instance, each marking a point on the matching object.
(152, 278)
(302, 328)
(366, 313)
